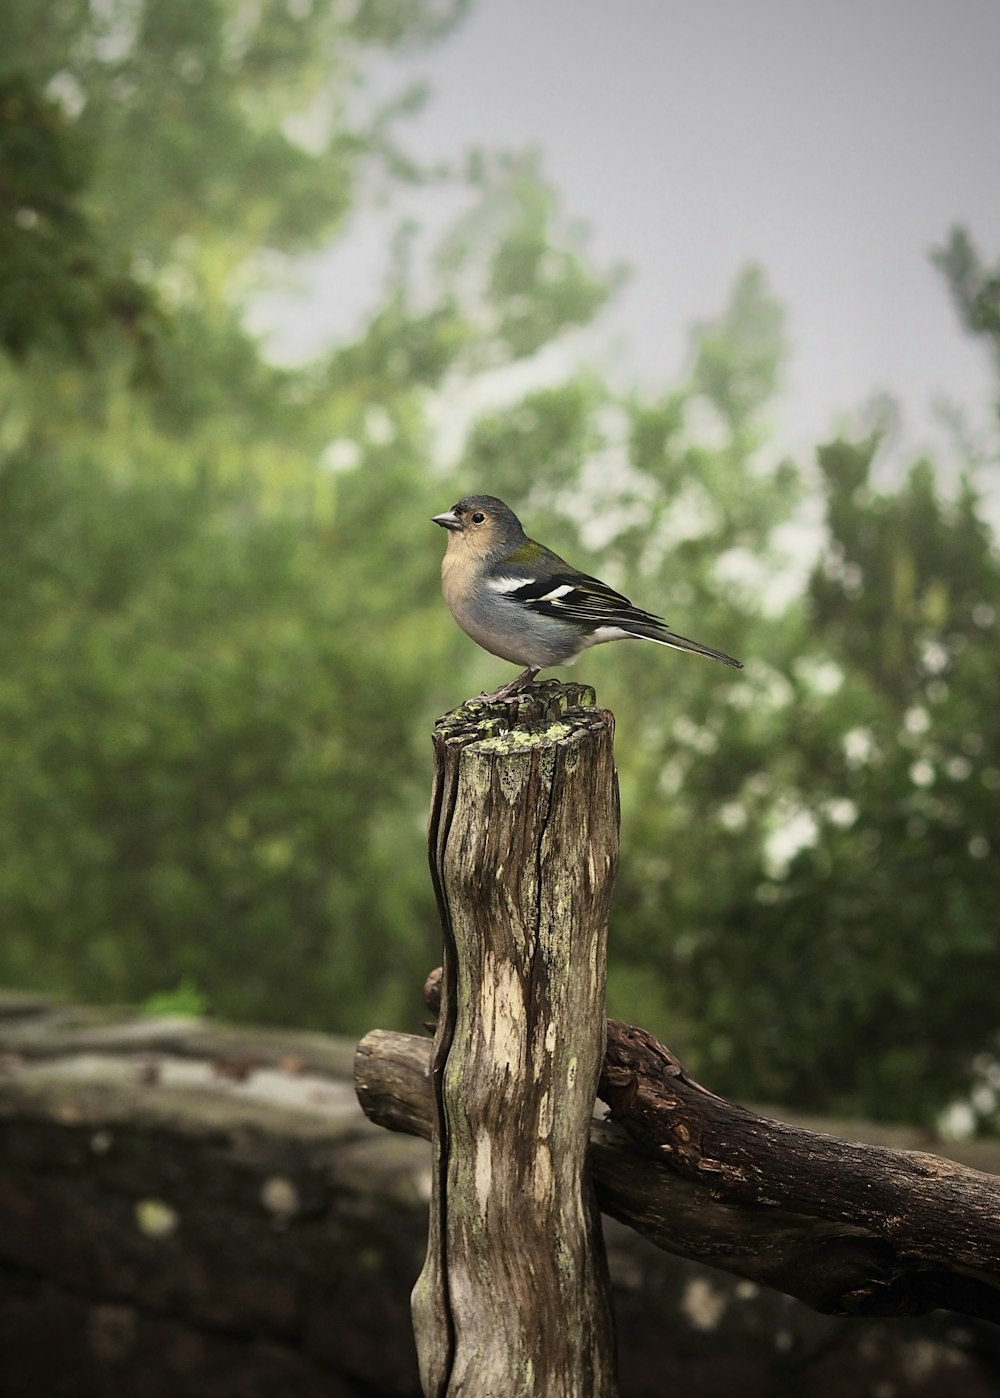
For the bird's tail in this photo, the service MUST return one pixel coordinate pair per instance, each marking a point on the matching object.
(666, 637)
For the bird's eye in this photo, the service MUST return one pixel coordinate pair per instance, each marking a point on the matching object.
(478, 517)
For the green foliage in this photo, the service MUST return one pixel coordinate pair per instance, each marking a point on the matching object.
(189, 694)
(739, 357)
(878, 934)
(522, 269)
(185, 999)
(536, 288)
(58, 287)
(221, 637)
(191, 770)
(975, 287)
(807, 889)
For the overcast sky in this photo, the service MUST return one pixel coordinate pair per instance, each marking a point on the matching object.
(833, 144)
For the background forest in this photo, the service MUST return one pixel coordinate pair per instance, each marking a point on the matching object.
(222, 643)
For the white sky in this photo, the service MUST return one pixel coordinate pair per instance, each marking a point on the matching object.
(833, 144)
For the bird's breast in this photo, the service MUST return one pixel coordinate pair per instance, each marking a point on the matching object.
(504, 627)
(456, 580)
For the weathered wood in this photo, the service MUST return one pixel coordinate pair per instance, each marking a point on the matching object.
(513, 1298)
(36, 1027)
(851, 1229)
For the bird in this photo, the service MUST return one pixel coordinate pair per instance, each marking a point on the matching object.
(519, 600)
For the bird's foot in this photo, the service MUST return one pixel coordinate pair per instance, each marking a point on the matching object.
(508, 690)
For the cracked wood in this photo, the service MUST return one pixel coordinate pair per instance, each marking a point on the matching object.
(523, 838)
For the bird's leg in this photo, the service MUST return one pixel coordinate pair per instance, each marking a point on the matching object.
(505, 691)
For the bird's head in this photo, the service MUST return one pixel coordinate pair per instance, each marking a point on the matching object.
(482, 526)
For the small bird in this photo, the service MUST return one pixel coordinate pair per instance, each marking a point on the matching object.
(522, 602)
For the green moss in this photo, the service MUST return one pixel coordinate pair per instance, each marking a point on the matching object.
(520, 739)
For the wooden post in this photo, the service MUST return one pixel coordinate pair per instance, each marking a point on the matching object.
(513, 1298)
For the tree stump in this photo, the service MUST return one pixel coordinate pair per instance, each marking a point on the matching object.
(523, 839)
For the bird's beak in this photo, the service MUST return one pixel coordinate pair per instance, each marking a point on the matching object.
(449, 520)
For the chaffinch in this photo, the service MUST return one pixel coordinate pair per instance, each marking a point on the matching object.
(522, 602)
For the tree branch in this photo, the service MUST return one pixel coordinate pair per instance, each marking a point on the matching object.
(850, 1229)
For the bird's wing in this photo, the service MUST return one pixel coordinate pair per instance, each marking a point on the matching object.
(572, 596)
(566, 595)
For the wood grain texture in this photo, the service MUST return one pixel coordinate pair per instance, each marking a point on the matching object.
(523, 840)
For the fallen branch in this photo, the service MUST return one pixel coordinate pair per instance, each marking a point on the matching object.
(850, 1229)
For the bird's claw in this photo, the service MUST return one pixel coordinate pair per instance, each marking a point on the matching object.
(507, 691)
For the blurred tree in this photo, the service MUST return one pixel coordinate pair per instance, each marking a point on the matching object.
(806, 894)
(57, 286)
(975, 288)
(861, 958)
(212, 686)
(221, 638)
